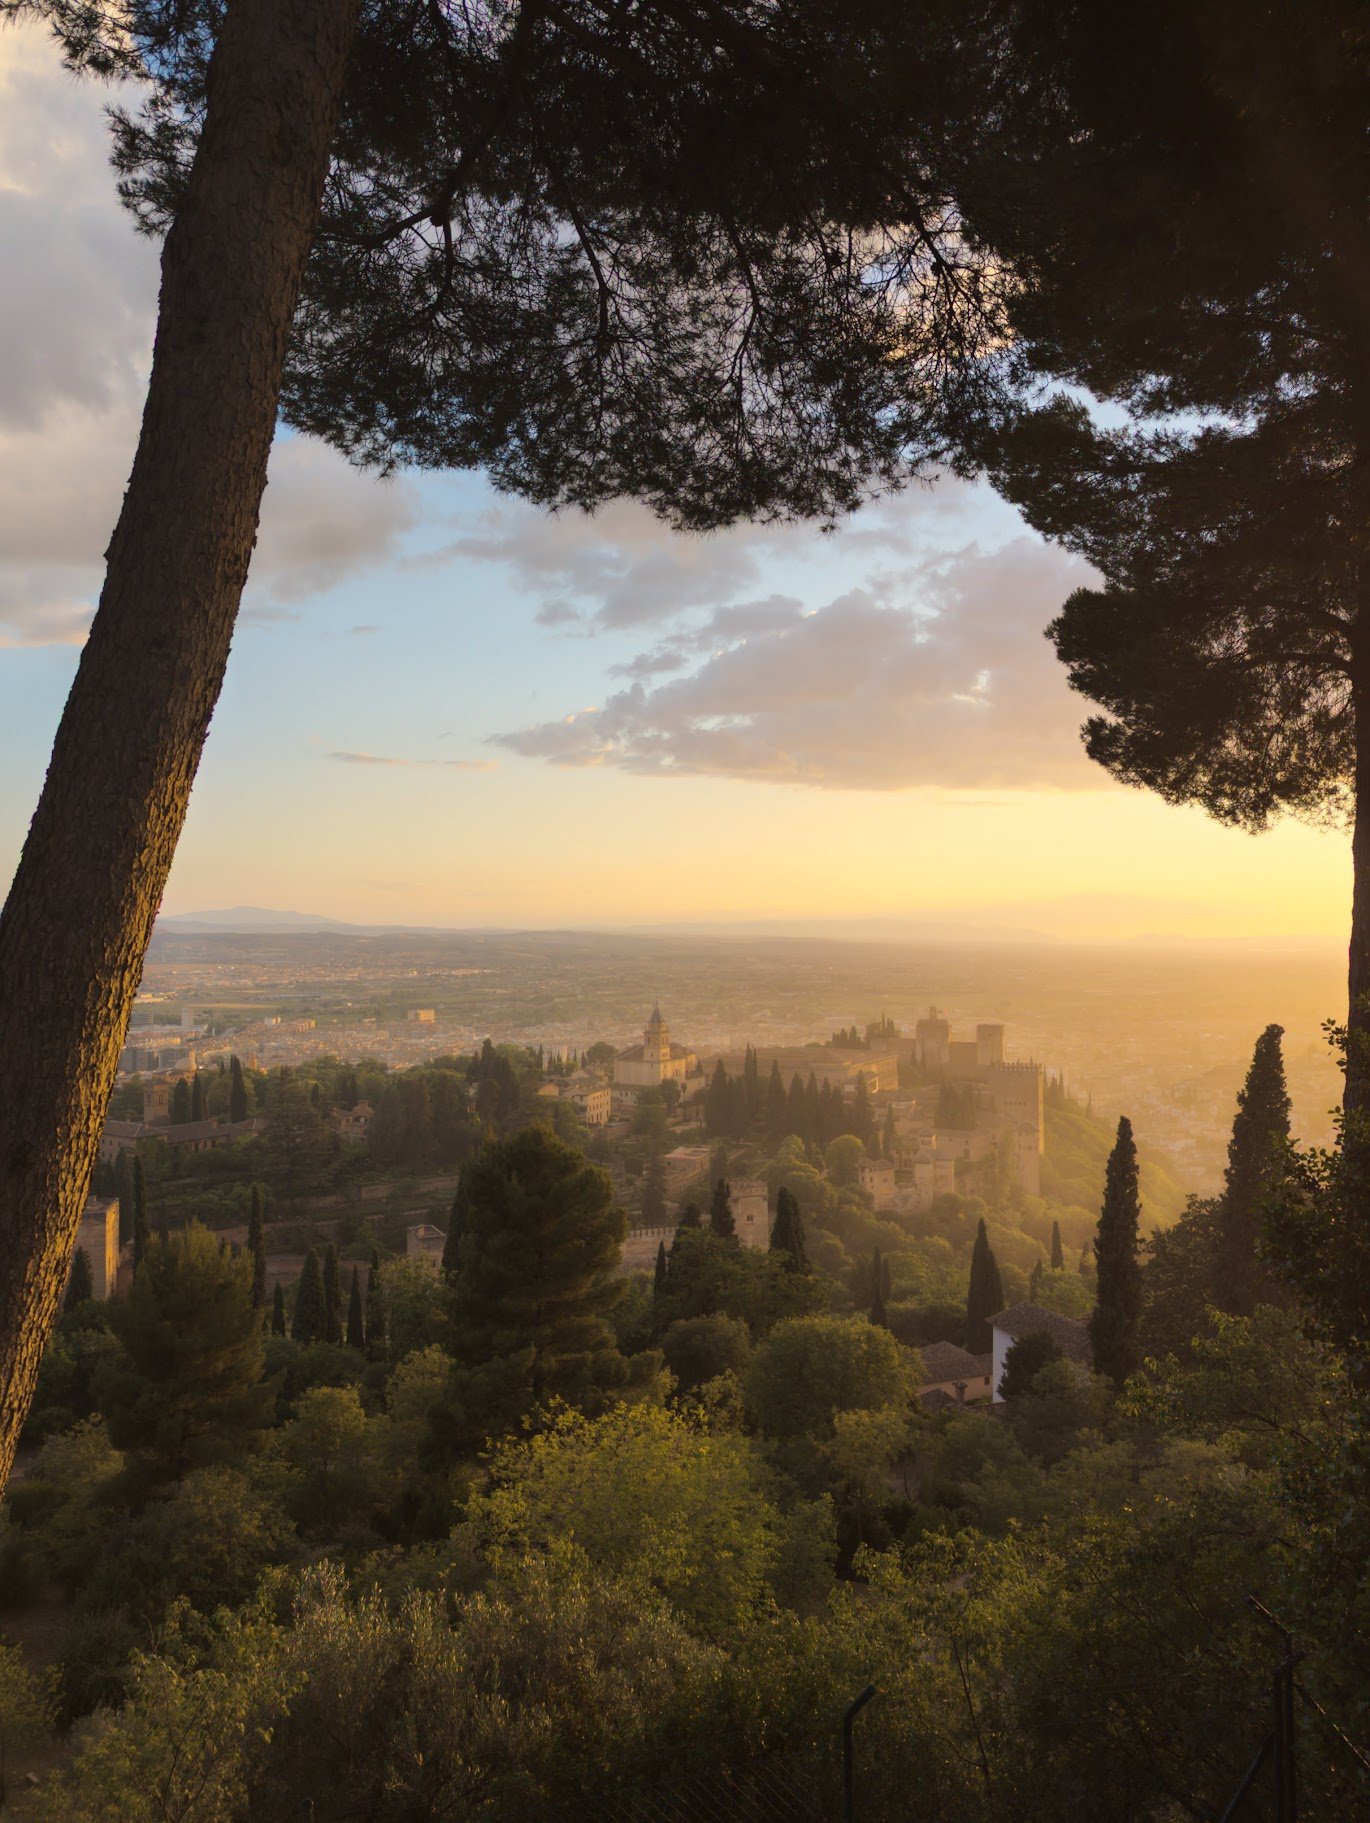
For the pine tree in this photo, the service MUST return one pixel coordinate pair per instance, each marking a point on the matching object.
(311, 1318)
(356, 1334)
(198, 1107)
(776, 1106)
(332, 1296)
(1256, 1162)
(891, 1137)
(180, 1103)
(81, 1284)
(377, 1315)
(654, 1191)
(187, 1388)
(237, 1092)
(527, 1307)
(278, 1324)
(1118, 1297)
(721, 1221)
(140, 1231)
(256, 1246)
(787, 1236)
(662, 1269)
(1058, 1258)
(985, 1297)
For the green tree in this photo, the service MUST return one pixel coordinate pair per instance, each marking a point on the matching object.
(356, 1333)
(1256, 1159)
(377, 1317)
(187, 1389)
(332, 1296)
(450, 1242)
(1024, 1361)
(310, 1321)
(278, 1323)
(774, 332)
(81, 1284)
(718, 1106)
(777, 1121)
(140, 1229)
(811, 1368)
(27, 1710)
(1058, 1258)
(237, 1091)
(198, 1108)
(985, 1296)
(721, 1222)
(691, 1216)
(539, 1243)
(661, 1271)
(1114, 1326)
(787, 1235)
(699, 1349)
(654, 1191)
(256, 1247)
(180, 1103)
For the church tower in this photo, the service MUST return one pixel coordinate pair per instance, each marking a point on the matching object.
(656, 1039)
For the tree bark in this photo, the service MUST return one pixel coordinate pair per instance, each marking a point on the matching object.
(76, 924)
(1357, 1090)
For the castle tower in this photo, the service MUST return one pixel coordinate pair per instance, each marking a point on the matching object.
(932, 1040)
(656, 1039)
(989, 1044)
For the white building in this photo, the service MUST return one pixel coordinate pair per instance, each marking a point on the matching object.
(655, 1060)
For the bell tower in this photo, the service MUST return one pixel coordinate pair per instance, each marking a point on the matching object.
(656, 1039)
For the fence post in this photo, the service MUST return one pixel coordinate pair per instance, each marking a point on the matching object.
(848, 1772)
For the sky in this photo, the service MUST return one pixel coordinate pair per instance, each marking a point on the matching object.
(446, 707)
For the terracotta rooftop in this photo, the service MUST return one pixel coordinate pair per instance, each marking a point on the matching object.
(1070, 1334)
(945, 1361)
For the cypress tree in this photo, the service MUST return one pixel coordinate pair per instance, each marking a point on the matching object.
(721, 1220)
(985, 1296)
(139, 1211)
(891, 1138)
(452, 1245)
(718, 1102)
(878, 1313)
(237, 1092)
(796, 1119)
(278, 1327)
(886, 1287)
(776, 1107)
(180, 1103)
(1058, 1258)
(81, 1284)
(1035, 1283)
(691, 1216)
(659, 1277)
(751, 1081)
(1118, 1297)
(256, 1246)
(718, 1164)
(332, 1296)
(310, 1324)
(199, 1109)
(814, 1127)
(654, 1191)
(1255, 1164)
(356, 1334)
(377, 1317)
(123, 1189)
(787, 1236)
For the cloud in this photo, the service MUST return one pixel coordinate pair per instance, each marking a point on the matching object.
(77, 312)
(936, 675)
(358, 758)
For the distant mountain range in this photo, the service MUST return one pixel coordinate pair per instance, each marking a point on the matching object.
(254, 920)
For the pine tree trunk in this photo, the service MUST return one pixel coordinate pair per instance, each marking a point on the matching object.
(79, 914)
(1357, 1092)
